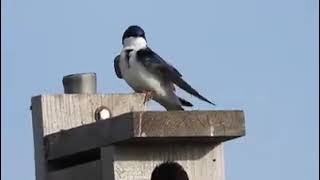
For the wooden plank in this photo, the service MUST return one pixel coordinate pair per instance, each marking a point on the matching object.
(131, 161)
(41, 166)
(66, 111)
(88, 171)
(188, 123)
(107, 163)
(53, 113)
(151, 126)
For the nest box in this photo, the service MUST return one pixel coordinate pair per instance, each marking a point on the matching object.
(114, 137)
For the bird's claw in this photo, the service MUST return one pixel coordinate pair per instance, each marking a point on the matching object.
(148, 95)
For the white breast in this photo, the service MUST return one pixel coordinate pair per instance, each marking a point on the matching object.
(138, 77)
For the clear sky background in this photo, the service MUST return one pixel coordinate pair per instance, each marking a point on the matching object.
(259, 56)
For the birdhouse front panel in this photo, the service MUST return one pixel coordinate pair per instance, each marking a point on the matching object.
(137, 161)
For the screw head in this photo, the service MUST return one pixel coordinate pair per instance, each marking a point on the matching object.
(102, 113)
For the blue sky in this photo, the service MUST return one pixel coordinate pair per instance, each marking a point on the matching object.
(259, 56)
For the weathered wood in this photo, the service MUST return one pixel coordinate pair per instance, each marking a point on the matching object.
(131, 161)
(53, 113)
(88, 171)
(39, 149)
(131, 143)
(107, 163)
(65, 111)
(196, 126)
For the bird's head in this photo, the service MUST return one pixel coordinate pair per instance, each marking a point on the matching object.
(134, 37)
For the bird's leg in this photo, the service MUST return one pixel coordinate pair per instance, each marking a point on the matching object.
(148, 96)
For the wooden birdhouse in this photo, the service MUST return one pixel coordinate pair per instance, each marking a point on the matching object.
(114, 137)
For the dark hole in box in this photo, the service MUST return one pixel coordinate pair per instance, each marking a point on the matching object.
(169, 171)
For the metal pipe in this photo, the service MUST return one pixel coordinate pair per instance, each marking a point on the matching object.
(80, 83)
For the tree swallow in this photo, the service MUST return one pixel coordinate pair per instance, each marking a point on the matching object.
(146, 72)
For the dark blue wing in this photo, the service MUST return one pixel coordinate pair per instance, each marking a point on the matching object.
(156, 65)
(116, 67)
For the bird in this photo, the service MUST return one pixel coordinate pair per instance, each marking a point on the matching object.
(146, 72)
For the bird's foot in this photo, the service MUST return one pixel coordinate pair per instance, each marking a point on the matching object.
(148, 95)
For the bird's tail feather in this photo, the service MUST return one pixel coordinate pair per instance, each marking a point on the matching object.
(185, 86)
(185, 102)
